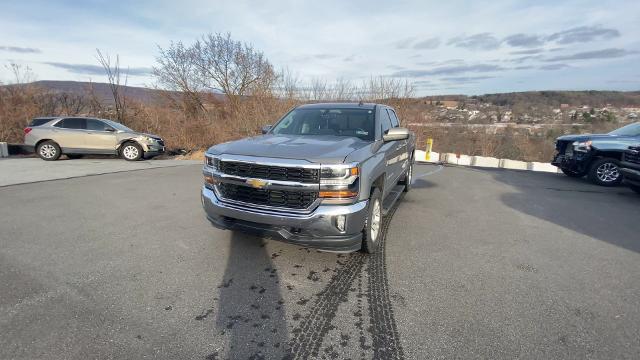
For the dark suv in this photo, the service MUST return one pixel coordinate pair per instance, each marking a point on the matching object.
(596, 155)
(630, 167)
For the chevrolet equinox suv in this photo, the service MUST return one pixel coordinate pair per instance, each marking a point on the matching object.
(77, 136)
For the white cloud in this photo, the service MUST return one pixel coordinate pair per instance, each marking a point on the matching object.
(337, 39)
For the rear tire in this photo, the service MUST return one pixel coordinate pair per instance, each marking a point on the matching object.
(408, 177)
(48, 150)
(571, 173)
(372, 231)
(131, 151)
(605, 172)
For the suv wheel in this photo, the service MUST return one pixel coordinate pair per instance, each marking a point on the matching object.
(605, 172)
(131, 151)
(373, 227)
(48, 150)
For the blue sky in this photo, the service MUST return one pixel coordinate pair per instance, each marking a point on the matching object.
(445, 47)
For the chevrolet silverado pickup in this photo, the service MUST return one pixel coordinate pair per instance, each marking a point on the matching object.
(323, 176)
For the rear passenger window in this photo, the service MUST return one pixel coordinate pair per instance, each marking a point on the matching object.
(96, 125)
(394, 119)
(72, 123)
(385, 121)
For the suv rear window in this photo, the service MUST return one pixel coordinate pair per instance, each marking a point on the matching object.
(40, 121)
(72, 123)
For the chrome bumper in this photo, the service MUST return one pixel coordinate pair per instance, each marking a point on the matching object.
(316, 229)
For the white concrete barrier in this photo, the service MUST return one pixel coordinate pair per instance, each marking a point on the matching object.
(421, 156)
(4, 150)
(513, 164)
(451, 158)
(483, 161)
(544, 167)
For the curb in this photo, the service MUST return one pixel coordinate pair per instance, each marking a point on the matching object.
(482, 162)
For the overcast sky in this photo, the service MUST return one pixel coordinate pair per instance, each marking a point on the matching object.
(445, 47)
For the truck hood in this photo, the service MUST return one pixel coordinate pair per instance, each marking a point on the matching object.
(323, 149)
(585, 137)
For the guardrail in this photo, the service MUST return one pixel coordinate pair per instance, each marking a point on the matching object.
(483, 161)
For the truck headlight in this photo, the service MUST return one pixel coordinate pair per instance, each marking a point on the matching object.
(582, 146)
(212, 162)
(339, 181)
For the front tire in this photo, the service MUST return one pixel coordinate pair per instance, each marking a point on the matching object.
(408, 178)
(48, 150)
(131, 151)
(372, 231)
(605, 172)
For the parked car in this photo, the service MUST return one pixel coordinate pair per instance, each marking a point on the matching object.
(596, 155)
(76, 136)
(323, 176)
(630, 167)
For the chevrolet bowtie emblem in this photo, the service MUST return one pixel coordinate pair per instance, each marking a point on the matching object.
(257, 183)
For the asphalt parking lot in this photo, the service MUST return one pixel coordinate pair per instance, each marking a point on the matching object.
(477, 264)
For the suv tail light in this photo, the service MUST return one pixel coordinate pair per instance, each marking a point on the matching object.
(27, 130)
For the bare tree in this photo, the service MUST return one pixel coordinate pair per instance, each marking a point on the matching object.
(113, 77)
(176, 71)
(234, 68)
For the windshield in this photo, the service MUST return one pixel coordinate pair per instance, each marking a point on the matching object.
(629, 130)
(328, 121)
(117, 126)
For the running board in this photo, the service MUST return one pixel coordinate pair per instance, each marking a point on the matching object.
(390, 200)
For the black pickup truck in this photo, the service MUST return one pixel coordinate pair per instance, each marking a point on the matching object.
(630, 167)
(597, 156)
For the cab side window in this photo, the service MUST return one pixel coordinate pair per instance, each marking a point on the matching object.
(72, 123)
(385, 121)
(394, 119)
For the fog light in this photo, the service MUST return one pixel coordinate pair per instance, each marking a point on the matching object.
(341, 220)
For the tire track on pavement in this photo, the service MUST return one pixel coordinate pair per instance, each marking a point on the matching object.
(310, 334)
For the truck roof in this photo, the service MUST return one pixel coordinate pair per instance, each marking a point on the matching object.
(339, 105)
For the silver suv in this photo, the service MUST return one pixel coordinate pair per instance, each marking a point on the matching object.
(77, 136)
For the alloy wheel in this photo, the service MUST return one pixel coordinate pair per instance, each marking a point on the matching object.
(130, 152)
(608, 172)
(376, 216)
(48, 151)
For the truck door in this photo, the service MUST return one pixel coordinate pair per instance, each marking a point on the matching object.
(393, 153)
(402, 144)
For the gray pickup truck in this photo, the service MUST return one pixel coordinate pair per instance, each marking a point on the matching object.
(323, 176)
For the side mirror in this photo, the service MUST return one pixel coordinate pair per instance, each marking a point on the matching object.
(110, 129)
(394, 134)
(266, 128)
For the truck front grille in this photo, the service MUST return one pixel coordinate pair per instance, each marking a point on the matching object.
(632, 155)
(276, 198)
(283, 173)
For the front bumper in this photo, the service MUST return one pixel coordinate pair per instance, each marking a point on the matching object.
(576, 161)
(316, 229)
(153, 149)
(630, 172)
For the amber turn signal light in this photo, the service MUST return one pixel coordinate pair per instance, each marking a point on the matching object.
(209, 180)
(337, 194)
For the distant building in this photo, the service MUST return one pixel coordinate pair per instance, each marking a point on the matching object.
(564, 106)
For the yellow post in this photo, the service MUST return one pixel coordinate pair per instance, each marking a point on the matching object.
(427, 155)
